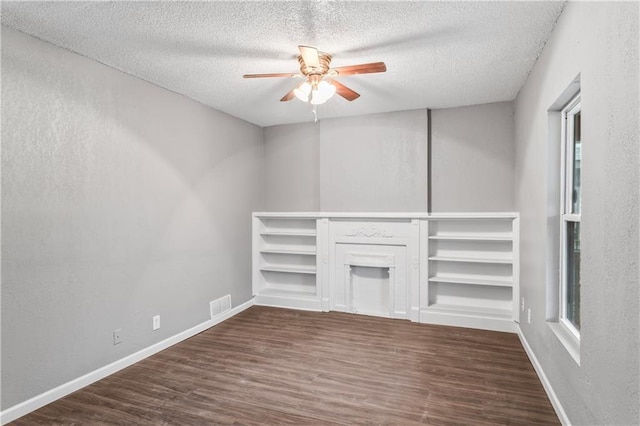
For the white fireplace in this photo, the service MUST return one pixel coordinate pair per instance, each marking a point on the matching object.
(369, 281)
(369, 264)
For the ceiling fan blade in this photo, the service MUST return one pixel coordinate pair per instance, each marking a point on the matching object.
(360, 69)
(344, 91)
(309, 56)
(290, 95)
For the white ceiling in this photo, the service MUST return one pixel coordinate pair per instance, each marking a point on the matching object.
(438, 54)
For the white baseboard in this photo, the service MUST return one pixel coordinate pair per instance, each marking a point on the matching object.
(65, 389)
(288, 302)
(459, 319)
(555, 402)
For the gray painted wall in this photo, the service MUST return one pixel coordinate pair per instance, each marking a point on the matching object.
(121, 200)
(291, 167)
(605, 388)
(472, 158)
(378, 162)
(375, 162)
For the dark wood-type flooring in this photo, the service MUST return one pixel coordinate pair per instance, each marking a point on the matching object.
(278, 366)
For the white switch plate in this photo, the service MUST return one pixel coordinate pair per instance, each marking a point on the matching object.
(117, 336)
(529, 316)
(156, 322)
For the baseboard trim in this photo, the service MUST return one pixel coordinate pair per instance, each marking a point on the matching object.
(23, 408)
(555, 402)
(300, 303)
(467, 321)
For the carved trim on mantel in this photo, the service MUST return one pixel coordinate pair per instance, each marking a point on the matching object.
(371, 232)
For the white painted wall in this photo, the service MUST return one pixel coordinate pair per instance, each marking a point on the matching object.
(472, 158)
(599, 41)
(121, 200)
(291, 167)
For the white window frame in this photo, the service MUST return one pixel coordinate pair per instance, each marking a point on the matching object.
(566, 214)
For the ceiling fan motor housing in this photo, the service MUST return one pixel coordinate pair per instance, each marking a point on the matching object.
(324, 61)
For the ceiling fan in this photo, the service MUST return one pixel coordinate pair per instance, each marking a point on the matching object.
(319, 84)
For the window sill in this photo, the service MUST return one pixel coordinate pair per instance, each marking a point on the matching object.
(568, 340)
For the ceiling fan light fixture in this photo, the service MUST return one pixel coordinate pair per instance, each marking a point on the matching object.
(322, 93)
(303, 91)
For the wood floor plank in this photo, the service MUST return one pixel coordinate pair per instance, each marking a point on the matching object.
(278, 366)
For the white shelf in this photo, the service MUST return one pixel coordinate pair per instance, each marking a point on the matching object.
(472, 311)
(391, 215)
(471, 259)
(290, 233)
(285, 261)
(311, 294)
(289, 251)
(295, 269)
(472, 272)
(496, 237)
(473, 280)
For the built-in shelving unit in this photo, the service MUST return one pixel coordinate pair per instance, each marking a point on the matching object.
(458, 269)
(285, 261)
(471, 272)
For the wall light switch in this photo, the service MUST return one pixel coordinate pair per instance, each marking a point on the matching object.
(156, 322)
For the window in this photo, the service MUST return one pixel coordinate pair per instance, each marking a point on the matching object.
(571, 188)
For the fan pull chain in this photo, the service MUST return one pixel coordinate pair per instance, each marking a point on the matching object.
(315, 114)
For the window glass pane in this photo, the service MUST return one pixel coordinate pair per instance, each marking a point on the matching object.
(577, 164)
(572, 300)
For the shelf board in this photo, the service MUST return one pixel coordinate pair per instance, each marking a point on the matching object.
(290, 233)
(289, 293)
(473, 280)
(471, 259)
(472, 311)
(296, 269)
(289, 251)
(496, 237)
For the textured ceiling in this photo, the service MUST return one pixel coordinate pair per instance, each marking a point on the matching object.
(438, 54)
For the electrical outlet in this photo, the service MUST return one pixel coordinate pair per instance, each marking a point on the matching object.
(117, 336)
(529, 316)
(214, 308)
(156, 322)
(225, 303)
(522, 305)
